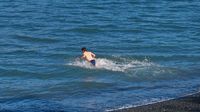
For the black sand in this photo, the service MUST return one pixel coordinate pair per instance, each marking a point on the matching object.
(189, 103)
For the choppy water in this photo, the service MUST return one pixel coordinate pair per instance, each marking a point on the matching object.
(147, 51)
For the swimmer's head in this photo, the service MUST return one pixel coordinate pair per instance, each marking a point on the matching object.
(83, 49)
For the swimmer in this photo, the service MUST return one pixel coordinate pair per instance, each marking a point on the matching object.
(89, 56)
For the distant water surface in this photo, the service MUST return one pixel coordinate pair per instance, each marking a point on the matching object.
(147, 51)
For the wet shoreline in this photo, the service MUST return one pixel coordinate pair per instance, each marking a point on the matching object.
(190, 103)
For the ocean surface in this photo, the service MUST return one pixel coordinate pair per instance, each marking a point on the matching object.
(147, 51)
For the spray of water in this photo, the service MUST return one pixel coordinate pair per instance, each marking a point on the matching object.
(108, 64)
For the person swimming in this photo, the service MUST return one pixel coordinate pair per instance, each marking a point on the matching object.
(89, 56)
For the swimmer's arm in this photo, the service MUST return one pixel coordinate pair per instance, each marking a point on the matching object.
(93, 55)
(83, 56)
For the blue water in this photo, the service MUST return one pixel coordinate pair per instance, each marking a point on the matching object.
(147, 51)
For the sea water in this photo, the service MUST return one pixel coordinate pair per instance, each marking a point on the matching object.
(147, 51)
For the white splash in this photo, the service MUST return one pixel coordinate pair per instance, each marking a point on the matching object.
(142, 103)
(106, 64)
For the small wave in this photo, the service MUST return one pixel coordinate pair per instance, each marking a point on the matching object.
(106, 64)
(143, 103)
(21, 51)
(34, 39)
(85, 30)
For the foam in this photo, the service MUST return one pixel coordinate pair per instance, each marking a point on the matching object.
(122, 65)
(143, 103)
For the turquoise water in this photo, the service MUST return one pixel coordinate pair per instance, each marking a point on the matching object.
(146, 52)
